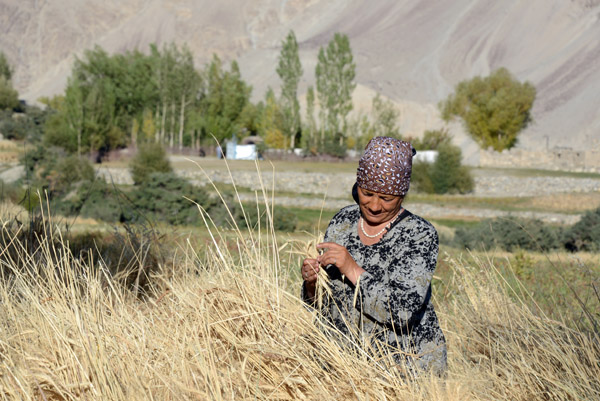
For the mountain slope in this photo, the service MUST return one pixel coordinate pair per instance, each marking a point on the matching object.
(413, 52)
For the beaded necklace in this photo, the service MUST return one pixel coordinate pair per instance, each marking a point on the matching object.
(387, 227)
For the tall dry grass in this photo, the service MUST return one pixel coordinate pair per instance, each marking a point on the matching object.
(225, 323)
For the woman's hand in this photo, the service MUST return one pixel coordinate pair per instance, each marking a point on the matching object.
(309, 270)
(338, 255)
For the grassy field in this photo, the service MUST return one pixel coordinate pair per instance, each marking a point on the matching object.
(220, 319)
(199, 313)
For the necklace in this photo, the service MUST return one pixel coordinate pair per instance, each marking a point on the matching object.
(387, 227)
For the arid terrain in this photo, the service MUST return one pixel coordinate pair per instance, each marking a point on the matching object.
(411, 51)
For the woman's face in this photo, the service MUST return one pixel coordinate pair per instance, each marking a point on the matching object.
(378, 208)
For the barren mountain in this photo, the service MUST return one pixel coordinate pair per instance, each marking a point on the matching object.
(412, 51)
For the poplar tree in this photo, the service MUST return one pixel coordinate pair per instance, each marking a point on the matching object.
(5, 68)
(385, 118)
(335, 73)
(311, 123)
(9, 97)
(290, 72)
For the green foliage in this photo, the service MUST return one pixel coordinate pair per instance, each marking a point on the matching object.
(225, 98)
(93, 199)
(9, 97)
(447, 174)
(335, 72)
(493, 109)
(309, 137)
(290, 72)
(509, 234)
(420, 179)
(385, 118)
(282, 219)
(12, 192)
(150, 158)
(162, 197)
(270, 125)
(432, 139)
(57, 172)
(334, 146)
(585, 234)
(68, 171)
(108, 98)
(6, 70)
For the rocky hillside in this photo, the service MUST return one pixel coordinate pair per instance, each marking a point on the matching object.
(412, 51)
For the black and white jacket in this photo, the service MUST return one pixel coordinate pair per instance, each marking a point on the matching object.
(390, 309)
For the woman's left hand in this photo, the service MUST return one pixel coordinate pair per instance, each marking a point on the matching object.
(338, 255)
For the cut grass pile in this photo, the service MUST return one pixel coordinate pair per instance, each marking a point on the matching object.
(225, 322)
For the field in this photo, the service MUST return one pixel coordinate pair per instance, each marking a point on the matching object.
(213, 313)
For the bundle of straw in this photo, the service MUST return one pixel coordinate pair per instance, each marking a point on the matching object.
(308, 249)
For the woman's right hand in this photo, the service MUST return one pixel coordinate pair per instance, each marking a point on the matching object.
(309, 270)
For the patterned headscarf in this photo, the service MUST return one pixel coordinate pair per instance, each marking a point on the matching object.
(385, 166)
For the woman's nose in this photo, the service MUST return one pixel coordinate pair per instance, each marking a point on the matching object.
(375, 205)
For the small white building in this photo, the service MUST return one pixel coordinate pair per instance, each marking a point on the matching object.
(428, 156)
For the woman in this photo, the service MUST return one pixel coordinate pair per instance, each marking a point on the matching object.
(380, 259)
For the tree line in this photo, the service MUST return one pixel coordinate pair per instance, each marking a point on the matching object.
(120, 100)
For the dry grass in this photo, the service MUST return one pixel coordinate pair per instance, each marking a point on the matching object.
(9, 151)
(572, 202)
(226, 324)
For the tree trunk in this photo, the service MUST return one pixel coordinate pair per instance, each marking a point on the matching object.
(134, 134)
(156, 131)
(172, 129)
(181, 120)
(162, 123)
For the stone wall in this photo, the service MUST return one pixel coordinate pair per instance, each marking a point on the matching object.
(551, 159)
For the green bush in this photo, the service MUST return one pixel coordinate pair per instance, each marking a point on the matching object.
(432, 139)
(447, 174)
(11, 192)
(94, 199)
(283, 220)
(585, 234)
(151, 158)
(509, 234)
(161, 196)
(68, 171)
(420, 179)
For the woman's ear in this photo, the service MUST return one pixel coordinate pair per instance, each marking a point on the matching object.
(355, 192)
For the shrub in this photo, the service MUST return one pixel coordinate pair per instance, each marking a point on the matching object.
(68, 171)
(283, 220)
(509, 234)
(11, 192)
(585, 234)
(162, 196)
(420, 179)
(447, 174)
(94, 199)
(333, 147)
(151, 158)
(432, 139)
